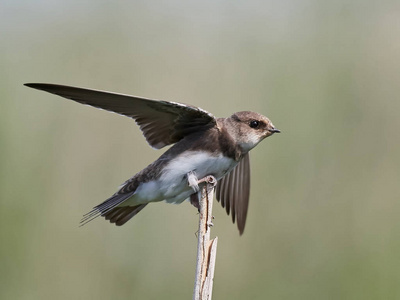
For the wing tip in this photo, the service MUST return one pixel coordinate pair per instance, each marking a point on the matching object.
(39, 86)
(31, 85)
(241, 228)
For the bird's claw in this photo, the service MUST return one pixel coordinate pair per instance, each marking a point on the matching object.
(208, 179)
(193, 182)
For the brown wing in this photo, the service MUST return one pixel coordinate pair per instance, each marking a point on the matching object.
(233, 191)
(162, 122)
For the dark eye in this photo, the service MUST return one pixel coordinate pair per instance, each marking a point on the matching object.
(254, 124)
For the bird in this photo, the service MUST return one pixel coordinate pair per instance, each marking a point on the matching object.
(202, 145)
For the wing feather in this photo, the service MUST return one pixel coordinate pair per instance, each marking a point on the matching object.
(162, 122)
(233, 191)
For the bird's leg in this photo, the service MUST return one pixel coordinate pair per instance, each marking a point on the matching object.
(208, 179)
(194, 184)
(193, 181)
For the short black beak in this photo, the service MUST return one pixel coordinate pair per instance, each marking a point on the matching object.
(275, 130)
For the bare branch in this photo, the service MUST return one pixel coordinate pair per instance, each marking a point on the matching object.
(206, 248)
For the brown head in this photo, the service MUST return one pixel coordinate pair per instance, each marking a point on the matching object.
(249, 128)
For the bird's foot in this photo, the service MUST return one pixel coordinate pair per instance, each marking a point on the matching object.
(193, 182)
(208, 179)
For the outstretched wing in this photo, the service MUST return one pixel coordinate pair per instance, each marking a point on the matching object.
(162, 122)
(233, 191)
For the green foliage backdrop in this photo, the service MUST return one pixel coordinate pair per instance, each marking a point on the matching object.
(325, 197)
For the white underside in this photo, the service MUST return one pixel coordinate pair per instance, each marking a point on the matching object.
(172, 186)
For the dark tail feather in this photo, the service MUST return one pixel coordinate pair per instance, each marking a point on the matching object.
(103, 208)
(121, 215)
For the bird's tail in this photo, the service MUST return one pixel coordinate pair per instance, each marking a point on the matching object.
(121, 215)
(111, 210)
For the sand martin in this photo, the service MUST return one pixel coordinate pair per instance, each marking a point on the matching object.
(202, 145)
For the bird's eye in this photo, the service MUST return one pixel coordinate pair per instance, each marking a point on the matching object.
(254, 124)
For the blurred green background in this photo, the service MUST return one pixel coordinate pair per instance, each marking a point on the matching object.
(324, 213)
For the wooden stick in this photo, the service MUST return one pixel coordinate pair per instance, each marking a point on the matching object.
(206, 248)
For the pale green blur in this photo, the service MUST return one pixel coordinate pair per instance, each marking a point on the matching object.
(325, 198)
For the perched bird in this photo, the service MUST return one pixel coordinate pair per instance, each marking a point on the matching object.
(203, 145)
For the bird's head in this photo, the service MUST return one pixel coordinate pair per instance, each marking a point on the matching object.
(249, 128)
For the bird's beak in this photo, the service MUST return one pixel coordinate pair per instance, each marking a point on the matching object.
(274, 130)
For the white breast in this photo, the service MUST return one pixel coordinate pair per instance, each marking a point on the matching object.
(172, 186)
(202, 163)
